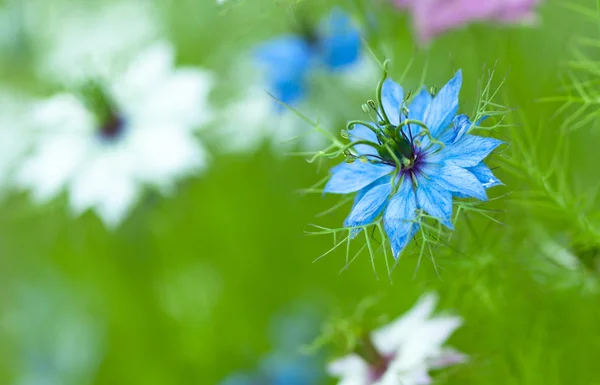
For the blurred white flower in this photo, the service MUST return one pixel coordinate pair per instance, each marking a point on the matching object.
(138, 130)
(405, 350)
(95, 40)
(256, 118)
(15, 137)
(364, 74)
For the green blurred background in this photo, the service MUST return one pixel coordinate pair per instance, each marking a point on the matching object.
(185, 290)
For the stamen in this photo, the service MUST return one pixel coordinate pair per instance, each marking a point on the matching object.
(433, 90)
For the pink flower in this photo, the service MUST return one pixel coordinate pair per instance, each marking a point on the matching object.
(433, 17)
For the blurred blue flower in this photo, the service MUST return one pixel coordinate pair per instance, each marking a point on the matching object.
(55, 338)
(288, 60)
(286, 365)
(414, 158)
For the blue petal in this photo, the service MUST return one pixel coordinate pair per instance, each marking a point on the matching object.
(416, 111)
(340, 42)
(444, 106)
(289, 92)
(466, 152)
(460, 127)
(360, 132)
(392, 97)
(398, 218)
(286, 57)
(459, 180)
(419, 105)
(370, 205)
(484, 175)
(435, 200)
(350, 177)
(283, 368)
(361, 193)
(286, 62)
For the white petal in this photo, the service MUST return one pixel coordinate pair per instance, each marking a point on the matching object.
(95, 179)
(247, 134)
(164, 154)
(399, 376)
(425, 342)
(150, 69)
(351, 369)
(62, 125)
(62, 115)
(48, 171)
(182, 98)
(15, 137)
(91, 41)
(447, 357)
(118, 202)
(390, 338)
(107, 185)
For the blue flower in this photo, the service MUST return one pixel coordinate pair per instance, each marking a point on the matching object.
(413, 159)
(285, 365)
(288, 60)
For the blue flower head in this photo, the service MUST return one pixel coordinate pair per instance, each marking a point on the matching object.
(412, 161)
(287, 61)
(285, 365)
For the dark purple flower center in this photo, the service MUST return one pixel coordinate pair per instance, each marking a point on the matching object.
(378, 370)
(415, 164)
(378, 363)
(113, 127)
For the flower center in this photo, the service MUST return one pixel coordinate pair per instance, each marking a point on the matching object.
(113, 127)
(111, 123)
(378, 364)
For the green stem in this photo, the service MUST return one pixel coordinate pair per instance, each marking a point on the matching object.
(380, 90)
(368, 125)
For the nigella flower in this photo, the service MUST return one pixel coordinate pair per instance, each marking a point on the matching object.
(52, 336)
(82, 41)
(433, 17)
(288, 69)
(14, 133)
(403, 352)
(285, 364)
(105, 144)
(289, 60)
(413, 161)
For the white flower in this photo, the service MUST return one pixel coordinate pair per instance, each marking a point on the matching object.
(14, 135)
(364, 74)
(256, 118)
(408, 348)
(93, 40)
(147, 138)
